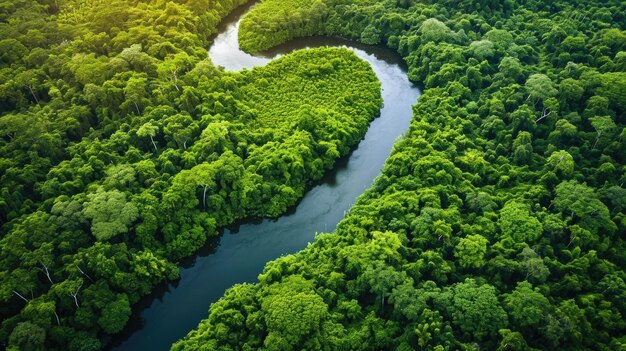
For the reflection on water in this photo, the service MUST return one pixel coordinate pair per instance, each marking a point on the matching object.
(240, 254)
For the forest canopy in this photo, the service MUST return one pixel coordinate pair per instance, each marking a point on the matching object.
(123, 148)
(499, 220)
(497, 223)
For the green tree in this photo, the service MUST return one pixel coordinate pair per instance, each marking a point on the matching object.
(512, 341)
(371, 35)
(136, 93)
(604, 126)
(533, 266)
(474, 308)
(434, 30)
(12, 51)
(581, 202)
(150, 130)
(539, 86)
(482, 49)
(526, 306)
(471, 251)
(570, 90)
(523, 148)
(110, 213)
(561, 163)
(115, 315)
(613, 86)
(517, 222)
(381, 279)
(28, 337)
(293, 313)
(511, 67)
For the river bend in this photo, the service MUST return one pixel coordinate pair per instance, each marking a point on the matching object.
(242, 251)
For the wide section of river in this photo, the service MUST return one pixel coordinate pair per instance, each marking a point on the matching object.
(240, 254)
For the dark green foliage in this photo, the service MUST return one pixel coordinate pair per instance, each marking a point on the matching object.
(498, 222)
(122, 149)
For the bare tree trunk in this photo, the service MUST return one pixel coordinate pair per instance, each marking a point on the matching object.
(154, 144)
(137, 108)
(204, 197)
(75, 295)
(46, 272)
(33, 94)
(85, 274)
(20, 295)
(175, 78)
(546, 112)
(571, 240)
(596, 142)
(57, 317)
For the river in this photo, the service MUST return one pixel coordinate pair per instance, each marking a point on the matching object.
(241, 252)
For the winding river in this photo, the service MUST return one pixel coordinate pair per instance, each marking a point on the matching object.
(242, 251)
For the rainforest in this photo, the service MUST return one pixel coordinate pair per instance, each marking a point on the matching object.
(497, 222)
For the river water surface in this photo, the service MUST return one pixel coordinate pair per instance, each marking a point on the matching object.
(242, 251)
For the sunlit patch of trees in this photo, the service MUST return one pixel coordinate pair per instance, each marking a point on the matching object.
(122, 149)
(498, 221)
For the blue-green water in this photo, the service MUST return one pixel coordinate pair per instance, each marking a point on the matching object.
(240, 254)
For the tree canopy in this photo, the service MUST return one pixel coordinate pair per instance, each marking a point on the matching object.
(123, 149)
(502, 206)
(497, 223)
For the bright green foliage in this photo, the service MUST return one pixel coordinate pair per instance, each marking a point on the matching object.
(561, 163)
(434, 30)
(516, 149)
(614, 88)
(604, 126)
(371, 35)
(513, 341)
(110, 213)
(526, 307)
(122, 149)
(540, 86)
(581, 201)
(283, 20)
(517, 223)
(482, 49)
(471, 250)
(474, 309)
(503, 205)
(533, 266)
(294, 314)
(381, 279)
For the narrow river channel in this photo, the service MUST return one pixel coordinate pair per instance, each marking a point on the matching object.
(242, 251)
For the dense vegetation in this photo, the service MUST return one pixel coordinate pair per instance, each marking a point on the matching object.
(122, 148)
(275, 22)
(499, 221)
